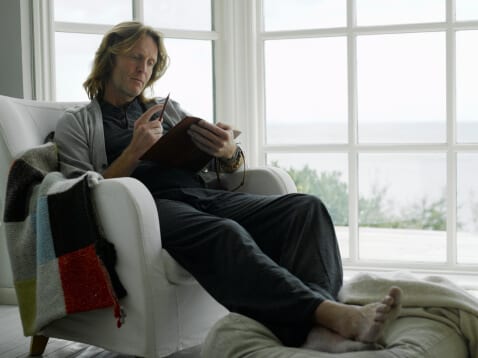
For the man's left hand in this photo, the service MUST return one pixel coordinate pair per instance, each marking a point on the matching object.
(214, 139)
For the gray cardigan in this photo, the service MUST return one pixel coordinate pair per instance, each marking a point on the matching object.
(80, 136)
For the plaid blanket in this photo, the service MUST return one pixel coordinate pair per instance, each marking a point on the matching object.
(61, 262)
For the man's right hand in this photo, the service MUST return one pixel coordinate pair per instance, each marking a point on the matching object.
(145, 134)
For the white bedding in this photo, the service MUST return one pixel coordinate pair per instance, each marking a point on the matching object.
(432, 297)
(438, 320)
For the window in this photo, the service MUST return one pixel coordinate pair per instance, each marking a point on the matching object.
(188, 29)
(369, 104)
(299, 95)
(373, 108)
(401, 88)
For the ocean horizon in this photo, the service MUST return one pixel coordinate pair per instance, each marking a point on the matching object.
(296, 132)
(407, 177)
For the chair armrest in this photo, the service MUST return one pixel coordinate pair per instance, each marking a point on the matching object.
(262, 180)
(129, 219)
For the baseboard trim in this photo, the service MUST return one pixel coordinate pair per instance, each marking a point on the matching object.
(8, 296)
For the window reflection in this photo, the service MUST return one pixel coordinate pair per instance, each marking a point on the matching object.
(466, 10)
(466, 86)
(306, 90)
(74, 55)
(87, 11)
(178, 14)
(282, 15)
(189, 82)
(403, 207)
(402, 88)
(467, 208)
(388, 12)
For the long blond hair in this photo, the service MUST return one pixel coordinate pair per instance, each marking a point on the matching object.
(118, 41)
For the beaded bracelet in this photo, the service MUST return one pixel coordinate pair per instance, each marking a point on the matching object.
(230, 165)
(233, 163)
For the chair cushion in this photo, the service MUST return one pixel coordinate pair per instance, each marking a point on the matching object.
(412, 337)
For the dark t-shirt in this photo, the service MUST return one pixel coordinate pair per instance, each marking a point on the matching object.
(118, 126)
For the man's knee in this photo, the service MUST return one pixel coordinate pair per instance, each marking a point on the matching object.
(230, 234)
(306, 203)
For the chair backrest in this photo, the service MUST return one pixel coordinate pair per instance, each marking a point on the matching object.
(23, 124)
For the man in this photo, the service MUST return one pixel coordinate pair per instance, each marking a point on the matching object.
(272, 258)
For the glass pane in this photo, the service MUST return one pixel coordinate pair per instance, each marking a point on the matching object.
(93, 11)
(466, 9)
(306, 91)
(189, 82)
(467, 219)
(467, 86)
(303, 14)
(74, 54)
(402, 207)
(178, 14)
(323, 175)
(386, 12)
(402, 88)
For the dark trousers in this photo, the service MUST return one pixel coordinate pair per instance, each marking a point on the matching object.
(271, 258)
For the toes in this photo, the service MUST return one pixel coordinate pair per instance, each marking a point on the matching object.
(394, 297)
(396, 294)
(389, 308)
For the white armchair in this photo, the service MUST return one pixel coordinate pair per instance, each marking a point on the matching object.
(167, 310)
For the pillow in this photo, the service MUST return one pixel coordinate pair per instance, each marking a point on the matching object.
(237, 336)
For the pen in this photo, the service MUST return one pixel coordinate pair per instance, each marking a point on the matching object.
(164, 107)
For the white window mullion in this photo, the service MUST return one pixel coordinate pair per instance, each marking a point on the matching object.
(352, 134)
(234, 56)
(43, 49)
(225, 109)
(251, 75)
(451, 136)
(245, 73)
(27, 50)
(451, 208)
(80, 28)
(260, 121)
(138, 10)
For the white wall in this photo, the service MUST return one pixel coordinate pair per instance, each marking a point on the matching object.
(15, 81)
(11, 66)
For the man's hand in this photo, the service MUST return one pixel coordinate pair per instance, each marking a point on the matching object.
(214, 139)
(145, 134)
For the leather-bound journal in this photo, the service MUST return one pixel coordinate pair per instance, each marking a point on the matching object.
(176, 148)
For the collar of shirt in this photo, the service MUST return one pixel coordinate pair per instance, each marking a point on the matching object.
(123, 117)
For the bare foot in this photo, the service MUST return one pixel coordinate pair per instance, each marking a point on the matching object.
(324, 340)
(361, 323)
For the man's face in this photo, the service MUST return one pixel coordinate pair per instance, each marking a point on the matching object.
(132, 72)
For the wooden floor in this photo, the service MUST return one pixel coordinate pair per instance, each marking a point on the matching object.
(14, 344)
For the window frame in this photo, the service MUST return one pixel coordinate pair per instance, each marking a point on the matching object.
(463, 272)
(238, 38)
(45, 27)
